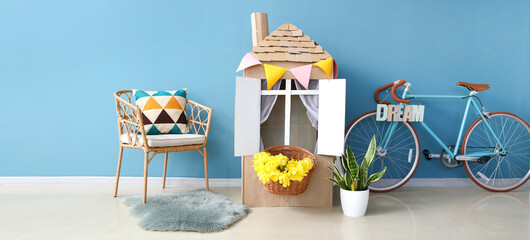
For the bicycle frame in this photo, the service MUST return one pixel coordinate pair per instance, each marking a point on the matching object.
(453, 153)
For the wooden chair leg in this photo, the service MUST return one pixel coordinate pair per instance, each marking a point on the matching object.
(118, 172)
(146, 163)
(206, 169)
(164, 174)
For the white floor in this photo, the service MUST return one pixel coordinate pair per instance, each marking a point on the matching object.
(90, 212)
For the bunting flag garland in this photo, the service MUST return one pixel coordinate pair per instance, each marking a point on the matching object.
(326, 65)
(273, 74)
(248, 61)
(302, 74)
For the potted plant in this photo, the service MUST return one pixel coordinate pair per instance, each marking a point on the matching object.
(354, 182)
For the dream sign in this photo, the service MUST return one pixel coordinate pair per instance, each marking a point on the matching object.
(402, 113)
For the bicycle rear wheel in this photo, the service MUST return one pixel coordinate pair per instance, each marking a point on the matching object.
(401, 157)
(500, 173)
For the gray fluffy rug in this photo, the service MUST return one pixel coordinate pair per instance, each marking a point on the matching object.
(196, 210)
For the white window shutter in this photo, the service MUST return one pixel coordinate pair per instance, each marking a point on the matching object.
(247, 116)
(331, 114)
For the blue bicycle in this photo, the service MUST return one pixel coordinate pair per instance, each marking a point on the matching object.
(495, 149)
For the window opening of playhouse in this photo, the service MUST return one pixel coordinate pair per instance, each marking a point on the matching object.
(291, 116)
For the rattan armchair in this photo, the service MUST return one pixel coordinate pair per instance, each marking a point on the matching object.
(132, 135)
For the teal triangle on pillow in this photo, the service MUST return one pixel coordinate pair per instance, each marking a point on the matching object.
(162, 93)
(181, 93)
(140, 94)
(153, 131)
(175, 130)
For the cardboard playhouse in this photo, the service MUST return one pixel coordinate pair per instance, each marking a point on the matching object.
(288, 95)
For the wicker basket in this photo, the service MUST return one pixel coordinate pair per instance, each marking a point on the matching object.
(296, 153)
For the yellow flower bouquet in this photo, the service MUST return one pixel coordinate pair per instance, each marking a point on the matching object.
(280, 168)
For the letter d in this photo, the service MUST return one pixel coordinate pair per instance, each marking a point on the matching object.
(380, 114)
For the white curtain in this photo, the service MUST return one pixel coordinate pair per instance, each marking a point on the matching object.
(267, 103)
(311, 104)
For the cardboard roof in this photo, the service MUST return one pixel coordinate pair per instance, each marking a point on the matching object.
(289, 44)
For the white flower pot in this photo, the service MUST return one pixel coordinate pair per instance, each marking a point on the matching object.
(354, 203)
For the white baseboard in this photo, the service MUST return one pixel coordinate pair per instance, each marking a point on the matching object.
(124, 181)
(196, 182)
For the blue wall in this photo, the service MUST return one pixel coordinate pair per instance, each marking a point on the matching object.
(60, 62)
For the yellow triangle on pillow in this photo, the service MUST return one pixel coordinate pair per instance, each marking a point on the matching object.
(173, 104)
(151, 104)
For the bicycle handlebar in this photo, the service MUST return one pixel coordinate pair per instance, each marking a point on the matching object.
(394, 86)
(379, 90)
(393, 92)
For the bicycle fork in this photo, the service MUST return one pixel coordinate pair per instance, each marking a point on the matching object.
(390, 131)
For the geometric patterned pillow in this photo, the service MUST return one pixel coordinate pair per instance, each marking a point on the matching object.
(163, 111)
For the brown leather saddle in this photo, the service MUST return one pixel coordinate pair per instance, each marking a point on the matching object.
(474, 87)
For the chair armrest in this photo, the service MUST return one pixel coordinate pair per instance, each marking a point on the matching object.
(199, 118)
(130, 121)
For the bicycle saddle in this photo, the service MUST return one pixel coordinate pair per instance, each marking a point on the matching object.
(474, 87)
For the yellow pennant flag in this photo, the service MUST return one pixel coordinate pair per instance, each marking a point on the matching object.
(273, 74)
(326, 65)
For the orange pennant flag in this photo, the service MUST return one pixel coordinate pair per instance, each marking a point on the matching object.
(273, 74)
(326, 65)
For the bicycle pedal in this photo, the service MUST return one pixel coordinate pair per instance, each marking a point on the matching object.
(427, 154)
(484, 159)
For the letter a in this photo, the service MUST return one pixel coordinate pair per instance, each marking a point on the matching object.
(407, 114)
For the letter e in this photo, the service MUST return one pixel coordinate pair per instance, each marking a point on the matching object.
(399, 113)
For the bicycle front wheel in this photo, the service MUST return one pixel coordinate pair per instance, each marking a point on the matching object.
(500, 173)
(401, 156)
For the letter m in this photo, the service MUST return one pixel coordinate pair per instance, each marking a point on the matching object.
(417, 113)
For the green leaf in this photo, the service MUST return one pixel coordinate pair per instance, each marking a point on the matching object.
(339, 177)
(363, 174)
(344, 162)
(359, 186)
(352, 164)
(343, 185)
(339, 172)
(348, 178)
(335, 174)
(349, 153)
(370, 153)
(330, 165)
(333, 180)
(367, 160)
(336, 170)
(376, 176)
